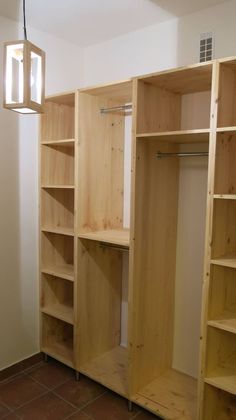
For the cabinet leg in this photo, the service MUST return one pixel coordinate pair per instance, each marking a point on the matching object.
(77, 376)
(130, 406)
(45, 357)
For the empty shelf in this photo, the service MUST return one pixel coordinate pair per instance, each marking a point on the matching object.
(60, 230)
(223, 379)
(225, 261)
(173, 395)
(58, 186)
(225, 196)
(65, 271)
(62, 351)
(187, 136)
(226, 322)
(59, 311)
(110, 369)
(116, 237)
(66, 143)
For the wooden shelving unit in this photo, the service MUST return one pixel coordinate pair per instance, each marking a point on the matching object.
(102, 237)
(57, 228)
(218, 389)
(182, 228)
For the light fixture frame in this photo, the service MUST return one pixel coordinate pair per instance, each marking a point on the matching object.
(27, 102)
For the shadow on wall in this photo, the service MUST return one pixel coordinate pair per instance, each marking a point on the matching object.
(14, 335)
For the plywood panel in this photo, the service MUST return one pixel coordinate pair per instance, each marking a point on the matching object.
(57, 123)
(225, 177)
(57, 208)
(157, 109)
(154, 250)
(101, 165)
(219, 405)
(57, 165)
(99, 299)
(227, 92)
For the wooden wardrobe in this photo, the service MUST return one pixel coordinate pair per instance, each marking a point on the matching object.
(138, 238)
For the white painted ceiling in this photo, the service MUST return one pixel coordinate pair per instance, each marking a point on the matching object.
(86, 22)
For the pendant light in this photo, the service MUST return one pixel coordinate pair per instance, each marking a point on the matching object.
(24, 75)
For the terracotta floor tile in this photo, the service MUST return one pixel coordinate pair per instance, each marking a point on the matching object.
(80, 416)
(19, 391)
(110, 407)
(51, 374)
(146, 415)
(47, 407)
(3, 411)
(80, 393)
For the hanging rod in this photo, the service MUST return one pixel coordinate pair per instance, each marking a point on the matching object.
(116, 108)
(161, 155)
(115, 247)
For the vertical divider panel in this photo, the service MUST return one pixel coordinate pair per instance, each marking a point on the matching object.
(208, 235)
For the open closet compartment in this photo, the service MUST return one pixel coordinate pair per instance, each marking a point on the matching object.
(103, 231)
(101, 162)
(171, 169)
(57, 339)
(219, 405)
(57, 210)
(227, 95)
(58, 120)
(176, 101)
(57, 298)
(101, 355)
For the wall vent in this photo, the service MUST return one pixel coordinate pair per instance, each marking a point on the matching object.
(206, 47)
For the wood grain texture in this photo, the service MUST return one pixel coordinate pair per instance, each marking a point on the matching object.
(99, 299)
(110, 369)
(154, 248)
(219, 405)
(172, 396)
(101, 165)
(225, 178)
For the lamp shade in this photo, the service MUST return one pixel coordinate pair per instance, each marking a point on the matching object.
(24, 77)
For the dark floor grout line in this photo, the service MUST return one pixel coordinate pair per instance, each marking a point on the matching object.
(63, 399)
(31, 368)
(76, 412)
(91, 401)
(32, 399)
(74, 406)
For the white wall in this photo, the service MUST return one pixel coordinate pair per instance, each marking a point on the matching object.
(162, 46)
(19, 199)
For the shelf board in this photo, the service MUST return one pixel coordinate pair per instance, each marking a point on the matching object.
(65, 143)
(110, 369)
(226, 322)
(226, 130)
(172, 395)
(225, 261)
(48, 186)
(65, 271)
(182, 136)
(112, 236)
(59, 311)
(223, 379)
(59, 230)
(225, 196)
(62, 351)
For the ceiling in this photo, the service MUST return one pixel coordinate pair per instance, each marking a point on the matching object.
(86, 22)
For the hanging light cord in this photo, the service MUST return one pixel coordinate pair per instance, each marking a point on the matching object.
(25, 31)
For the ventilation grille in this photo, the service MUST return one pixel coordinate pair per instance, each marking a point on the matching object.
(206, 47)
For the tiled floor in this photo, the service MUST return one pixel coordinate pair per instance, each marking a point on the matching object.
(49, 391)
